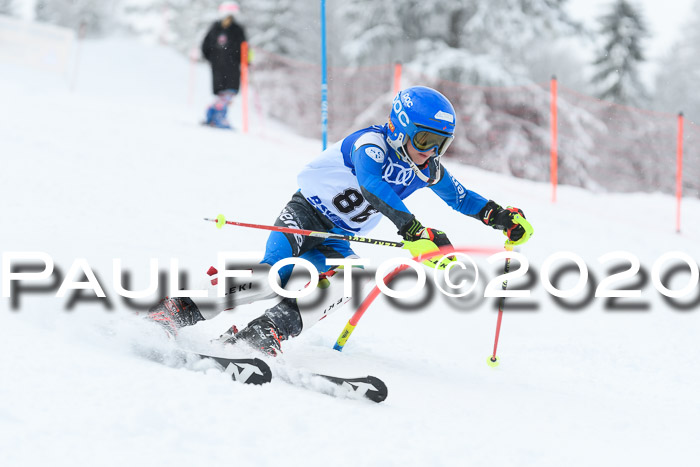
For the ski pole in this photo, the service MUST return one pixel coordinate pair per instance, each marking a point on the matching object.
(221, 221)
(492, 361)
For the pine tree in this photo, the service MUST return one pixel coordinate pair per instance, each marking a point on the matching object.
(482, 43)
(617, 78)
(277, 26)
(188, 22)
(272, 27)
(374, 31)
(94, 18)
(7, 7)
(679, 70)
(676, 85)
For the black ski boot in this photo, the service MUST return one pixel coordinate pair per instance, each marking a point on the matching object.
(261, 334)
(266, 332)
(175, 313)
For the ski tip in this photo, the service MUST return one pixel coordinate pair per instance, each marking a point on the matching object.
(380, 392)
(369, 387)
(266, 375)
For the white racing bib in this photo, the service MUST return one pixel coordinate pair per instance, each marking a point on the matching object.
(331, 187)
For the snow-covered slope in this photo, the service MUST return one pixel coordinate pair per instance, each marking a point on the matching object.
(120, 168)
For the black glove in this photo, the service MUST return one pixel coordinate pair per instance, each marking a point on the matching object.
(414, 230)
(515, 229)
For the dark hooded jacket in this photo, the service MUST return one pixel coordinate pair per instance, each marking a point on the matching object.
(222, 49)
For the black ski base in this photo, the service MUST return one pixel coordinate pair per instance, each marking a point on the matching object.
(243, 370)
(256, 371)
(370, 387)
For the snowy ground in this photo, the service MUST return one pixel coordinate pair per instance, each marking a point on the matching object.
(119, 168)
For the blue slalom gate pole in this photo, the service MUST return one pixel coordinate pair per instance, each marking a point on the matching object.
(324, 78)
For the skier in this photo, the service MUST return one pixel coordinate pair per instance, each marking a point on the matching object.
(347, 190)
(222, 49)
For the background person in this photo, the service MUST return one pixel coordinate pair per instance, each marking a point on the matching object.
(222, 49)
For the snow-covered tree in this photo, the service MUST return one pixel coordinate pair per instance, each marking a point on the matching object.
(470, 50)
(273, 28)
(93, 18)
(679, 72)
(373, 29)
(187, 22)
(8, 7)
(491, 58)
(282, 27)
(179, 23)
(676, 84)
(478, 42)
(617, 63)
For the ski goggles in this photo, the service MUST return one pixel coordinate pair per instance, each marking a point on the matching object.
(425, 140)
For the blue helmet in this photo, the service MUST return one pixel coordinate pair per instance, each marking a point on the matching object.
(424, 117)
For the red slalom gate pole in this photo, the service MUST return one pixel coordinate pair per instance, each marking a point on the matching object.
(493, 359)
(369, 299)
(397, 78)
(554, 166)
(355, 318)
(679, 172)
(244, 85)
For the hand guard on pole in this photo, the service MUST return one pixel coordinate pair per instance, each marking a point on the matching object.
(510, 220)
(423, 240)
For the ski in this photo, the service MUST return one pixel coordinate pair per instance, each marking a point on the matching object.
(369, 387)
(204, 123)
(242, 370)
(256, 371)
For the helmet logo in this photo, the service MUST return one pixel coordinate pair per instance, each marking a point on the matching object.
(444, 116)
(400, 113)
(407, 100)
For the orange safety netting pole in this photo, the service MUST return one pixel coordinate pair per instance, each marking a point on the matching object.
(397, 78)
(244, 84)
(553, 150)
(679, 172)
